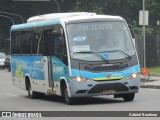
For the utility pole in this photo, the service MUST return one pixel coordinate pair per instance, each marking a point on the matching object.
(57, 5)
(144, 41)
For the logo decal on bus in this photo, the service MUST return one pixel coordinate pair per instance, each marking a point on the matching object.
(79, 38)
(38, 64)
(108, 75)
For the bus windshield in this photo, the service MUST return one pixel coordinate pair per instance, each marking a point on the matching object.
(109, 38)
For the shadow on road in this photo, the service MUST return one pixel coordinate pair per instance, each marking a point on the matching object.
(81, 100)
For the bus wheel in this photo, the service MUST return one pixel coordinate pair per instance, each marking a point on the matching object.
(31, 93)
(129, 97)
(67, 99)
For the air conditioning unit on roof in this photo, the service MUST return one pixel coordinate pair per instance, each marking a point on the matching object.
(58, 16)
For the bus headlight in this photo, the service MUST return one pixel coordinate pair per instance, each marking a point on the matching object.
(79, 79)
(133, 76)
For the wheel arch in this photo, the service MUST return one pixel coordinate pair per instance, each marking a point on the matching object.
(27, 81)
(63, 83)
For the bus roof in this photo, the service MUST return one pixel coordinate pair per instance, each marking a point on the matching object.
(35, 24)
(54, 16)
(94, 18)
(51, 19)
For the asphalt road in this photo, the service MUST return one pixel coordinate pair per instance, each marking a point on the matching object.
(15, 99)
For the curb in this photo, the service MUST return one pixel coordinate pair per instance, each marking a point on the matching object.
(153, 83)
(151, 86)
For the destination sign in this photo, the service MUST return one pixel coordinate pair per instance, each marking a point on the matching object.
(95, 26)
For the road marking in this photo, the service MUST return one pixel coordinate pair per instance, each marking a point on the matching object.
(10, 94)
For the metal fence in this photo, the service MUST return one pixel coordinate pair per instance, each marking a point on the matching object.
(152, 50)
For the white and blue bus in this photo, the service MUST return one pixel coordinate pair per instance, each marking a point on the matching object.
(75, 55)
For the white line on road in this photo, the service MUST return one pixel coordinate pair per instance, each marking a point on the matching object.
(10, 94)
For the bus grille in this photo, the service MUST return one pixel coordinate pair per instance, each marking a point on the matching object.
(106, 68)
(118, 87)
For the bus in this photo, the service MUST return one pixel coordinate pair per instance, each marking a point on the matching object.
(73, 55)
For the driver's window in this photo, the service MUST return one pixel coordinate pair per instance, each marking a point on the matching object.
(58, 44)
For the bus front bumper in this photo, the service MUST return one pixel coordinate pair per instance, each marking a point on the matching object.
(94, 88)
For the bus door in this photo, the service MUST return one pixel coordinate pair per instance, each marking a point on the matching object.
(59, 60)
(55, 59)
(57, 56)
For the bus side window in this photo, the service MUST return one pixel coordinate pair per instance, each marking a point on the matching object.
(48, 38)
(16, 43)
(64, 51)
(37, 42)
(53, 43)
(27, 37)
(57, 46)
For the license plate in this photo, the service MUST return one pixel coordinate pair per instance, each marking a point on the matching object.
(108, 92)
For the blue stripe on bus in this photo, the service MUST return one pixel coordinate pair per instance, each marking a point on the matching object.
(35, 24)
(124, 73)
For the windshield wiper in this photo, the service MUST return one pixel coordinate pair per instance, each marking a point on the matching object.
(98, 55)
(119, 51)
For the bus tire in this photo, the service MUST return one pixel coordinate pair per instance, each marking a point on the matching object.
(129, 97)
(68, 100)
(31, 93)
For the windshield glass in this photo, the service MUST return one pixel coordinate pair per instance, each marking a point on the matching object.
(109, 38)
(2, 55)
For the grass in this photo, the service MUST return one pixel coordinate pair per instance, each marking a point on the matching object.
(154, 71)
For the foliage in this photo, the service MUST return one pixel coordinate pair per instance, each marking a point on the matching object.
(89, 6)
(154, 71)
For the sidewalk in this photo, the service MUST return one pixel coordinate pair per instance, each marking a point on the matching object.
(153, 82)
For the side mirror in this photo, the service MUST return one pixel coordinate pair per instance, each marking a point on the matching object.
(61, 32)
(133, 39)
(62, 36)
(131, 30)
(62, 40)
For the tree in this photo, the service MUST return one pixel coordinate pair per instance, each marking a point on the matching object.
(89, 6)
